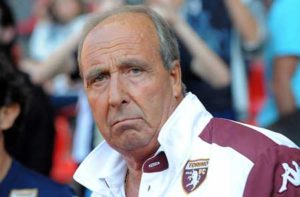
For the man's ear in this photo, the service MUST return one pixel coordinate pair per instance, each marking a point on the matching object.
(175, 74)
(8, 115)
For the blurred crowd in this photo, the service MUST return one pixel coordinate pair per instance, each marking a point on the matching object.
(240, 57)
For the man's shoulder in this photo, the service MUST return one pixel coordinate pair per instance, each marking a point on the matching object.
(247, 140)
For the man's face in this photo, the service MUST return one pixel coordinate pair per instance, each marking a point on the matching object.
(130, 93)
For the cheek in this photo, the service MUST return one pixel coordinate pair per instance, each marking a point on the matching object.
(99, 109)
(159, 101)
(152, 104)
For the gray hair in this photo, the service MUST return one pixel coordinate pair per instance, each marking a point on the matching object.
(168, 44)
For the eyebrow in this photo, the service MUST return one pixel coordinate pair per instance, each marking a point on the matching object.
(94, 72)
(134, 62)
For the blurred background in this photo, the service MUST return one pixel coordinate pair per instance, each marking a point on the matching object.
(240, 57)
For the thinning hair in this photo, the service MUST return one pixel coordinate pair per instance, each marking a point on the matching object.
(168, 43)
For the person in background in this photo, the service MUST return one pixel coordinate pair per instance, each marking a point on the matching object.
(213, 68)
(35, 147)
(8, 33)
(64, 18)
(160, 140)
(281, 111)
(15, 179)
(224, 27)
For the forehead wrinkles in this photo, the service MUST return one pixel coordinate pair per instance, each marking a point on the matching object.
(122, 44)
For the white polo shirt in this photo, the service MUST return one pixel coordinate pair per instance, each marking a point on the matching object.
(202, 156)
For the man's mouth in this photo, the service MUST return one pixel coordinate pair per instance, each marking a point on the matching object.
(123, 120)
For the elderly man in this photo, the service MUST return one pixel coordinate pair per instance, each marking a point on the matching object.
(160, 141)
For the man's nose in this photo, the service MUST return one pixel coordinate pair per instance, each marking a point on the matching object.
(117, 91)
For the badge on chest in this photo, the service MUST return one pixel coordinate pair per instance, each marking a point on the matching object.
(194, 174)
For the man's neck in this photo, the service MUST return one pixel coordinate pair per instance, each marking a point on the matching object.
(132, 183)
(133, 175)
(135, 161)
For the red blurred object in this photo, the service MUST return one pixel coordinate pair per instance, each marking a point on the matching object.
(25, 28)
(64, 165)
(256, 87)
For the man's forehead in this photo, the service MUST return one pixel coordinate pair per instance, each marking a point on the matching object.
(120, 35)
(133, 28)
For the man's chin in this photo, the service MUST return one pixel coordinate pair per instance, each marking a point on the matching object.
(132, 143)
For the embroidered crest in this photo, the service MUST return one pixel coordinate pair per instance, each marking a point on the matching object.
(290, 175)
(194, 174)
(24, 193)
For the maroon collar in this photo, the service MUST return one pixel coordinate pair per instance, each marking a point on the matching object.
(157, 163)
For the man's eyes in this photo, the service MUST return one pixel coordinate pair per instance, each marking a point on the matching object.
(99, 78)
(135, 71)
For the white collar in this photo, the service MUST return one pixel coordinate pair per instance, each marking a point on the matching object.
(185, 123)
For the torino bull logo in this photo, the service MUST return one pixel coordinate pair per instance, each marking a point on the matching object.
(194, 174)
